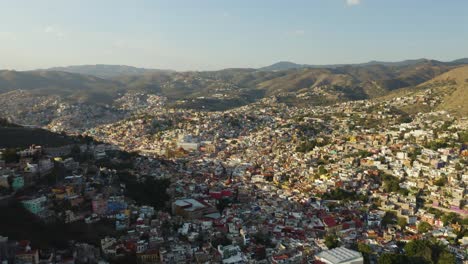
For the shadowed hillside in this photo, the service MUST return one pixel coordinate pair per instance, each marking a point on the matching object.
(13, 136)
(105, 71)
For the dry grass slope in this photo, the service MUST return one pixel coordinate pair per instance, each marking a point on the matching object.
(455, 83)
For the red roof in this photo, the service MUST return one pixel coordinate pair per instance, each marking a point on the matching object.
(225, 193)
(358, 223)
(130, 245)
(24, 243)
(329, 221)
(281, 257)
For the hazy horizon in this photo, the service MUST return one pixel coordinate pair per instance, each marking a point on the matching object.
(189, 70)
(212, 35)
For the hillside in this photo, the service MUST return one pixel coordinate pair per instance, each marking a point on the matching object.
(454, 85)
(352, 82)
(458, 75)
(106, 71)
(71, 86)
(45, 97)
(287, 65)
(449, 90)
(283, 66)
(12, 135)
(460, 61)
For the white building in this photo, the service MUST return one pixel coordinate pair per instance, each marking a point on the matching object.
(231, 254)
(340, 255)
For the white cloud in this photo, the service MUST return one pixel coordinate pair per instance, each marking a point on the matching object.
(49, 29)
(353, 2)
(54, 31)
(297, 33)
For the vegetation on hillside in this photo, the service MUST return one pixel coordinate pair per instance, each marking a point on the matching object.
(420, 251)
(211, 90)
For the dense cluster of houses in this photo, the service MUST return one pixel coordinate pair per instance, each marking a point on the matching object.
(264, 183)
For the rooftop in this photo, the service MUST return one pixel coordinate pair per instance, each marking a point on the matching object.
(339, 255)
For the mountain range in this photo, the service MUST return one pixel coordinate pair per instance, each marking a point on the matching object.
(105, 71)
(112, 71)
(348, 82)
(69, 86)
(286, 65)
(43, 97)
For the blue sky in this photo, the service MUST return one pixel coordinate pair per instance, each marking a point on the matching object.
(215, 34)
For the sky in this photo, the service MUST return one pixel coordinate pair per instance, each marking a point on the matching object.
(216, 34)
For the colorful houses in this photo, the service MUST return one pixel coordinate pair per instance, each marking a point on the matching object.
(35, 205)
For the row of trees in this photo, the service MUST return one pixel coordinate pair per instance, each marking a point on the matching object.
(415, 252)
(343, 195)
(308, 145)
(421, 252)
(10, 156)
(391, 218)
(392, 184)
(151, 191)
(17, 223)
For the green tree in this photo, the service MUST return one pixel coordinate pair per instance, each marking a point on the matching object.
(420, 252)
(75, 150)
(446, 258)
(402, 222)
(463, 137)
(166, 228)
(435, 145)
(10, 156)
(150, 192)
(441, 181)
(390, 258)
(222, 204)
(263, 239)
(322, 170)
(423, 227)
(413, 155)
(390, 183)
(331, 241)
(389, 218)
(437, 250)
(419, 249)
(450, 218)
(366, 250)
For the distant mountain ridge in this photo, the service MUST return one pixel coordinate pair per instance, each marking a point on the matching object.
(25, 96)
(343, 82)
(287, 65)
(106, 71)
(72, 86)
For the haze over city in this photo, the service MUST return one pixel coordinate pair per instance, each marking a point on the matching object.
(233, 131)
(211, 35)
